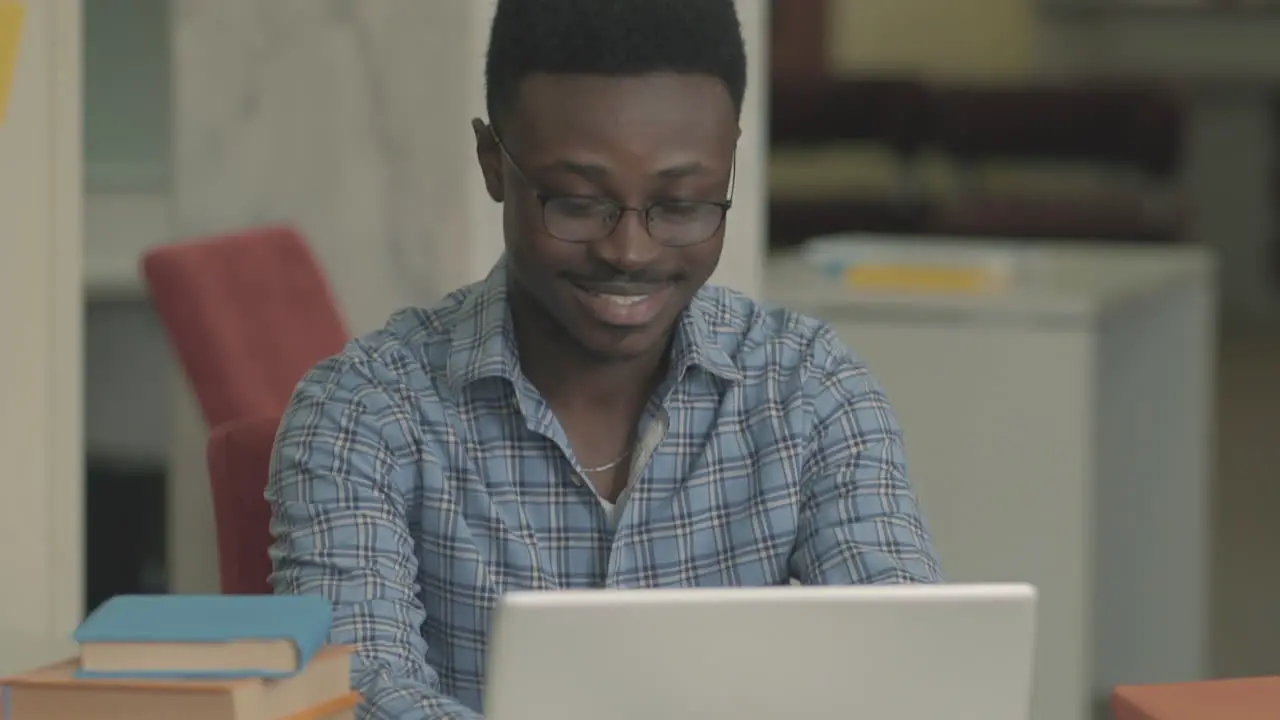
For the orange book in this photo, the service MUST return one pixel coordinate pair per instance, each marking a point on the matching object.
(1255, 698)
(342, 708)
(320, 692)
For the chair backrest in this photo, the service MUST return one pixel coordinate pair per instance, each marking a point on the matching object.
(239, 455)
(248, 314)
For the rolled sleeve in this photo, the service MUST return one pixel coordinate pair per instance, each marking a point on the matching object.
(859, 520)
(341, 481)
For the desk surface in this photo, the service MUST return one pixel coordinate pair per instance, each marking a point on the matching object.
(20, 652)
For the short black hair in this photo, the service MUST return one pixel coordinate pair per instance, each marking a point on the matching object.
(611, 37)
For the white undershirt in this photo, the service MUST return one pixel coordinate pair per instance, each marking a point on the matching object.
(614, 511)
(645, 447)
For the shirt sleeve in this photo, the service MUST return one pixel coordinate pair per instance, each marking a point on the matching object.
(341, 472)
(859, 521)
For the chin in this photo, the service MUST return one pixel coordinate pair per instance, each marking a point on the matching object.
(621, 345)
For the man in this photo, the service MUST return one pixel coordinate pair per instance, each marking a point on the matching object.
(590, 415)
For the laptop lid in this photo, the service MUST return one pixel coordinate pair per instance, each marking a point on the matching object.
(904, 652)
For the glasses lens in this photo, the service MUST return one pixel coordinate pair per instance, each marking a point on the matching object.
(674, 223)
(684, 223)
(579, 219)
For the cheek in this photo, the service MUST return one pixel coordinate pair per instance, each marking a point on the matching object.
(701, 260)
(536, 256)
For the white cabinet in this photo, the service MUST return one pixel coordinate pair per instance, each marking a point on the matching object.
(1058, 433)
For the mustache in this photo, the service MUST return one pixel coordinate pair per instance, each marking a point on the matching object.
(614, 277)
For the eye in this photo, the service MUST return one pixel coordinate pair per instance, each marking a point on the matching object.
(682, 210)
(580, 207)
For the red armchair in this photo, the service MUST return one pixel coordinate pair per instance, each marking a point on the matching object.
(247, 314)
(239, 462)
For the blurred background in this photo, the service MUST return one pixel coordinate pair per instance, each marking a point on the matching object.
(1103, 423)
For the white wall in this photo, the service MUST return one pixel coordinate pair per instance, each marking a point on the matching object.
(41, 479)
(741, 266)
(381, 177)
(128, 208)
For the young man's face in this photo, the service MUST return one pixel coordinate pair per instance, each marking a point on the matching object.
(580, 147)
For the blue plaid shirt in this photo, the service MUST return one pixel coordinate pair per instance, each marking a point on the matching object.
(418, 476)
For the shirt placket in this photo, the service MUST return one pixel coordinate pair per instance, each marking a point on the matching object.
(651, 437)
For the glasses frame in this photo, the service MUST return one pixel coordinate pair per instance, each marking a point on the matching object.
(645, 212)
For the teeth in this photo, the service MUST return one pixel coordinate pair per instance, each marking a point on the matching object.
(623, 299)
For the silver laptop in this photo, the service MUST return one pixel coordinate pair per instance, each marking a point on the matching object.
(904, 652)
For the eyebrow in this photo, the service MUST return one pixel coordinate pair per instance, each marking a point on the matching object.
(599, 172)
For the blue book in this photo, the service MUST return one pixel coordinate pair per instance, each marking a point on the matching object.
(202, 636)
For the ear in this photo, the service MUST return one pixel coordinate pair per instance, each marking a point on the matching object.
(489, 157)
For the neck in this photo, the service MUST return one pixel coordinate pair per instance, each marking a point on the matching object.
(567, 374)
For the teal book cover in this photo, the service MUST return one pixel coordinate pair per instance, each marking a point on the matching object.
(302, 620)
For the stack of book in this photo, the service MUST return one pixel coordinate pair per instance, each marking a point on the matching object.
(194, 657)
(915, 266)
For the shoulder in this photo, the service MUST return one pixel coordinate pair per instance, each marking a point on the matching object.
(380, 377)
(763, 340)
(413, 345)
(788, 359)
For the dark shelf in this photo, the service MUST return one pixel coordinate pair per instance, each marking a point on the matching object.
(125, 531)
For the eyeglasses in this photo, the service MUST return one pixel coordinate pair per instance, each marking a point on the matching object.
(584, 219)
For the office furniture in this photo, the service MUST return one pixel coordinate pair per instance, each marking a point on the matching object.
(239, 461)
(1220, 57)
(797, 39)
(127, 374)
(247, 314)
(810, 114)
(124, 529)
(1236, 699)
(1127, 137)
(1057, 433)
(1224, 59)
(1051, 159)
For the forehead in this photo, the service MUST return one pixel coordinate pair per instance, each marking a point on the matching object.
(650, 119)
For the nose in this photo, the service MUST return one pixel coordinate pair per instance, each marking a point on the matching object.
(629, 247)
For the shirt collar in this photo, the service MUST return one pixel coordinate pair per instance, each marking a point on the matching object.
(482, 342)
(695, 342)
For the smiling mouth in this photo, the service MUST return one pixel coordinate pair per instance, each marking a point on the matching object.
(623, 307)
(620, 299)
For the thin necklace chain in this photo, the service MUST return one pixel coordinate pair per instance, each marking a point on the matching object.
(608, 465)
